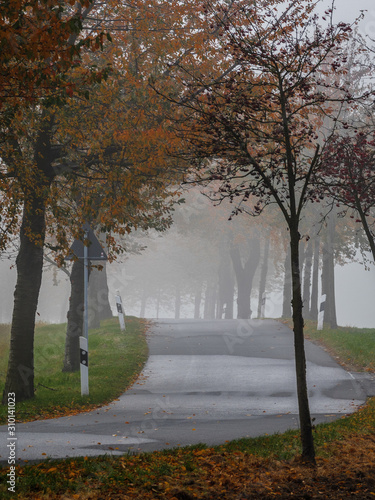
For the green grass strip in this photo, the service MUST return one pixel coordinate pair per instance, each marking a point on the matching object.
(116, 358)
(137, 473)
(352, 347)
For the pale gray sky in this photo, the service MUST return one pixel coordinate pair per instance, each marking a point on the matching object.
(348, 10)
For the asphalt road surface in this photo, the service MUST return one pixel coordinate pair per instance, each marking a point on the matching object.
(205, 382)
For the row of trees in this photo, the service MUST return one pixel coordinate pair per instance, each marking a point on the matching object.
(254, 97)
(87, 142)
(191, 270)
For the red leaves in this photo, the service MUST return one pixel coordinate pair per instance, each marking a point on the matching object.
(348, 170)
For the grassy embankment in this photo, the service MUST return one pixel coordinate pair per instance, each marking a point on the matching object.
(354, 348)
(265, 467)
(115, 359)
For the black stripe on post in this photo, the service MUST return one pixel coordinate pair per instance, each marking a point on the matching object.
(84, 357)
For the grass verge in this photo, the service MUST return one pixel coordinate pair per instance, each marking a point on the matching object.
(260, 468)
(116, 358)
(353, 348)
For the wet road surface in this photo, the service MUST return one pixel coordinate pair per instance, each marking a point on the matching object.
(204, 382)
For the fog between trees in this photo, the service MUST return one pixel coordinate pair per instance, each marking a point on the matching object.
(179, 271)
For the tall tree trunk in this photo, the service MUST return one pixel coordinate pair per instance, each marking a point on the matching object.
(244, 276)
(287, 290)
(315, 280)
(29, 264)
(143, 304)
(99, 307)
(308, 451)
(158, 303)
(210, 300)
(301, 256)
(263, 275)
(328, 275)
(226, 286)
(75, 318)
(230, 300)
(177, 303)
(243, 285)
(197, 301)
(92, 299)
(307, 279)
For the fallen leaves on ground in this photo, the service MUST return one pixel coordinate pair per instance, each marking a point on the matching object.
(209, 474)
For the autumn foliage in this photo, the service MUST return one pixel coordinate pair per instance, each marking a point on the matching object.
(40, 42)
(347, 176)
(257, 132)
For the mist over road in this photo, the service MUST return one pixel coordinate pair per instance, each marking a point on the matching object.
(206, 381)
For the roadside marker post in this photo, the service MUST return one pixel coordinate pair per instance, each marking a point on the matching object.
(88, 249)
(84, 365)
(120, 311)
(321, 312)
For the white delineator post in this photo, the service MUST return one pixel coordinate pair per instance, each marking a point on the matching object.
(321, 312)
(120, 311)
(84, 341)
(84, 365)
(88, 249)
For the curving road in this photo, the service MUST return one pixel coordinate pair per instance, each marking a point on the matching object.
(205, 381)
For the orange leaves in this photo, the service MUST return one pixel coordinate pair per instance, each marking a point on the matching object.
(207, 473)
(38, 47)
(112, 158)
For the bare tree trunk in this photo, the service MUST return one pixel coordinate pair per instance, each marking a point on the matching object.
(210, 300)
(263, 274)
(308, 450)
(328, 275)
(99, 307)
(93, 302)
(143, 304)
(307, 279)
(197, 301)
(158, 303)
(226, 286)
(244, 276)
(29, 263)
(315, 280)
(230, 300)
(287, 291)
(75, 318)
(177, 303)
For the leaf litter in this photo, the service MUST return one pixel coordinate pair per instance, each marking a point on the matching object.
(208, 474)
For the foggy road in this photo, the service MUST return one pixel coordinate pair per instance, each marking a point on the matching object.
(205, 381)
